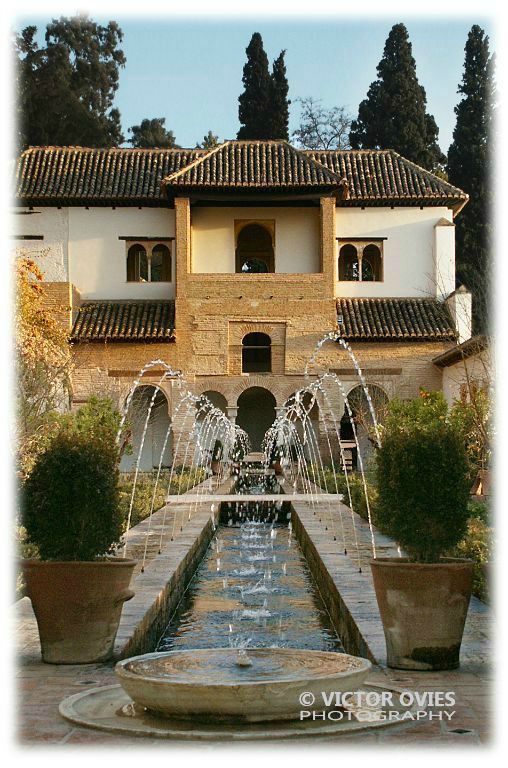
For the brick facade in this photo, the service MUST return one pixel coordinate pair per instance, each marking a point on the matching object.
(213, 313)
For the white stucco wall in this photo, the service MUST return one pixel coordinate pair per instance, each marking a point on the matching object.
(296, 238)
(444, 257)
(50, 253)
(479, 374)
(98, 259)
(409, 250)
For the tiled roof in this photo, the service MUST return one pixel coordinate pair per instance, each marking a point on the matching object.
(395, 319)
(125, 321)
(78, 175)
(469, 348)
(253, 164)
(83, 176)
(381, 175)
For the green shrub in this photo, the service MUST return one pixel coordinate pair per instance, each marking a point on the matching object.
(333, 483)
(97, 420)
(422, 478)
(480, 510)
(181, 482)
(477, 546)
(143, 496)
(70, 503)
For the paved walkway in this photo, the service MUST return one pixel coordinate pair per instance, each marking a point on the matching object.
(41, 686)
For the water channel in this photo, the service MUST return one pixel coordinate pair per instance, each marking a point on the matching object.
(253, 587)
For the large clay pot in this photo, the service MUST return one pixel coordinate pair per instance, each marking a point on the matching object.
(78, 606)
(423, 608)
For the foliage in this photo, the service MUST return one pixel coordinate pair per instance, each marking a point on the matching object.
(210, 140)
(322, 128)
(479, 510)
(70, 503)
(254, 102)
(181, 482)
(469, 167)
(393, 116)
(279, 107)
(473, 419)
(65, 90)
(422, 478)
(97, 421)
(476, 545)
(336, 483)
(263, 108)
(152, 133)
(43, 364)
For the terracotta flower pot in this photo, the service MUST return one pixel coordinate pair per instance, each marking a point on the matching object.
(423, 608)
(78, 606)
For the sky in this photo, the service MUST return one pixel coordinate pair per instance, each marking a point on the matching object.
(189, 71)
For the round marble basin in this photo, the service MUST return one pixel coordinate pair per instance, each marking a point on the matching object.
(210, 684)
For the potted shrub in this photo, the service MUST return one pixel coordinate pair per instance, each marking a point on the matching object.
(216, 457)
(422, 478)
(71, 512)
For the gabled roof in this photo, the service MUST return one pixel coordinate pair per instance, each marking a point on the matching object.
(125, 321)
(86, 176)
(394, 319)
(253, 165)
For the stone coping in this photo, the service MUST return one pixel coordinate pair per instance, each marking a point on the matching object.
(346, 585)
(41, 687)
(160, 586)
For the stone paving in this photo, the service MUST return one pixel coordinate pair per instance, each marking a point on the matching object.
(41, 687)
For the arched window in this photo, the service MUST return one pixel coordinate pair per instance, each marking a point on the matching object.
(160, 264)
(349, 268)
(149, 263)
(137, 264)
(254, 250)
(371, 263)
(256, 353)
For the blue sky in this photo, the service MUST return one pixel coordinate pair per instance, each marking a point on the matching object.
(189, 71)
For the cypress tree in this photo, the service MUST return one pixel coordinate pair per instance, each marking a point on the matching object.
(254, 102)
(279, 108)
(469, 160)
(393, 116)
(66, 90)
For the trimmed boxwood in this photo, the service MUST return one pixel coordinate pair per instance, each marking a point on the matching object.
(422, 481)
(70, 503)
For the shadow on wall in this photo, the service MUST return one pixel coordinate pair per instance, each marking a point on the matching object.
(156, 431)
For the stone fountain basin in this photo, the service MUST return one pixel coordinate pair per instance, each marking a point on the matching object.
(208, 685)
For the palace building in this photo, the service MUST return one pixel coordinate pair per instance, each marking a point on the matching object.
(231, 263)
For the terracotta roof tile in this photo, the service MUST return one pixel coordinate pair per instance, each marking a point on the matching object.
(381, 175)
(254, 164)
(395, 319)
(84, 176)
(79, 175)
(125, 321)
